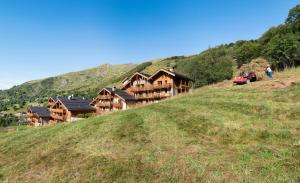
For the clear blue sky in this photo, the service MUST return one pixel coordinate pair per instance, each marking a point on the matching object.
(42, 38)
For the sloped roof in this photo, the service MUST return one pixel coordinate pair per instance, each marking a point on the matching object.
(121, 93)
(76, 104)
(42, 112)
(141, 74)
(147, 75)
(173, 73)
(54, 98)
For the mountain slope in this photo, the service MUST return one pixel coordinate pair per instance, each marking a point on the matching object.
(214, 134)
(85, 83)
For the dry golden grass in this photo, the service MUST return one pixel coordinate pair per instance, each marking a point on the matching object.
(258, 66)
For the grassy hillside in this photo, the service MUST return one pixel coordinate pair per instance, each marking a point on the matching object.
(85, 83)
(219, 133)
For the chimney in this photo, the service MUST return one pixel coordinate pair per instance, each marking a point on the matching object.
(114, 89)
(172, 69)
(71, 97)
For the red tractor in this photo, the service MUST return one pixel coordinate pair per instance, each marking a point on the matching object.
(245, 78)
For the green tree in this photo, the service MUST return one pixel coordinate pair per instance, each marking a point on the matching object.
(294, 14)
(245, 51)
(284, 50)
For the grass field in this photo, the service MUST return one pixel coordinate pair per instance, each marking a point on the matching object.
(214, 134)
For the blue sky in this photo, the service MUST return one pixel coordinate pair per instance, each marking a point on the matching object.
(42, 38)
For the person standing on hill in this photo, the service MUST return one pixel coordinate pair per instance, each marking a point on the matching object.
(269, 72)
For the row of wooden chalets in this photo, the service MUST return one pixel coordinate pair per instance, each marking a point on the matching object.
(138, 89)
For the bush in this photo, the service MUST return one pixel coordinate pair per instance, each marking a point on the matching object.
(8, 120)
(245, 51)
(212, 66)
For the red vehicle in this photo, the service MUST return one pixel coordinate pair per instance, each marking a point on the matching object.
(245, 78)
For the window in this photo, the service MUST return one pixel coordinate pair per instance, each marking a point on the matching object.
(159, 82)
(166, 81)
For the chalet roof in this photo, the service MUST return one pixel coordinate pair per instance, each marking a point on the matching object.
(42, 112)
(125, 79)
(141, 74)
(76, 104)
(54, 98)
(137, 73)
(147, 75)
(173, 73)
(121, 93)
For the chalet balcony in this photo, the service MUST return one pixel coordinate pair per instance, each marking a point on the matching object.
(150, 88)
(154, 96)
(57, 117)
(118, 105)
(161, 95)
(103, 104)
(57, 110)
(104, 97)
(51, 104)
(141, 88)
(163, 86)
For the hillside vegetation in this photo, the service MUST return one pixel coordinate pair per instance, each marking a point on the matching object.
(218, 133)
(280, 45)
(82, 83)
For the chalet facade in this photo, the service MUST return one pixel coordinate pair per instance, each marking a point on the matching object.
(68, 108)
(138, 89)
(112, 99)
(51, 101)
(162, 84)
(39, 116)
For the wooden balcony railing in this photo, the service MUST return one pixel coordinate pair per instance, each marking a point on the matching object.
(162, 86)
(57, 110)
(149, 88)
(103, 104)
(104, 97)
(118, 105)
(51, 103)
(154, 96)
(57, 117)
(141, 88)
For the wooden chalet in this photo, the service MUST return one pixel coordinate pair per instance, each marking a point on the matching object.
(51, 101)
(38, 116)
(140, 88)
(162, 84)
(112, 99)
(68, 108)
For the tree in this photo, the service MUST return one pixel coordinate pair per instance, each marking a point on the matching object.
(294, 14)
(211, 66)
(284, 50)
(245, 51)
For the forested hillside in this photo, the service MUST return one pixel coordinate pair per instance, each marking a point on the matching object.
(280, 45)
